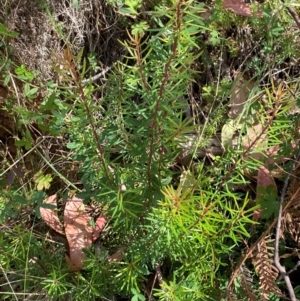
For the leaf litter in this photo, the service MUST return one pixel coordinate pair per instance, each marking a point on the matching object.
(241, 8)
(77, 228)
(49, 215)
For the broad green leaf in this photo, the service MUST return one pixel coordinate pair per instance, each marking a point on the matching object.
(268, 201)
(128, 11)
(48, 103)
(42, 181)
(20, 199)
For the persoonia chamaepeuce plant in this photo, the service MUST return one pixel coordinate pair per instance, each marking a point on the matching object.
(128, 141)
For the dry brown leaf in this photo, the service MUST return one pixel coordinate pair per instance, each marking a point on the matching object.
(205, 15)
(72, 266)
(254, 138)
(118, 255)
(12, 173)
(256, 215)
(261, 141)
(99, 225)
(50, 216)
(239, 96)
(78, 232)
(239, 7)
(264, 178)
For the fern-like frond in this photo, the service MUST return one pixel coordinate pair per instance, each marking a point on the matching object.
(246, 283)
(267, 272)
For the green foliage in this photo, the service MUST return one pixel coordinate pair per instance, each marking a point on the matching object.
(140, 117)
(130, 8)
(23, 74)
(127, 143)
(268, 202)
(6, 33)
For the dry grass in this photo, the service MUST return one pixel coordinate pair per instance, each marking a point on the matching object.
(46, 26)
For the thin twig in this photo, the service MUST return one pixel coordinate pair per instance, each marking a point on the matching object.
(158, 273)
(69, 58)
(158, 277)
(8, 282)
(166, 78)
(281, 268)
(95, 77)
(292, 12)
(295, 16)
(23, 156)
(291, 270)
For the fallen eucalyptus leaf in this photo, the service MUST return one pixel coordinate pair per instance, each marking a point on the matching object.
(49, 215)
(78, 232)
(99, 226)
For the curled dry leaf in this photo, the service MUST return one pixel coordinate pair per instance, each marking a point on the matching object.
(239, 7)
(78, 232)
(49, 215)
(99, 226)
(264, 178)
(256, 215)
